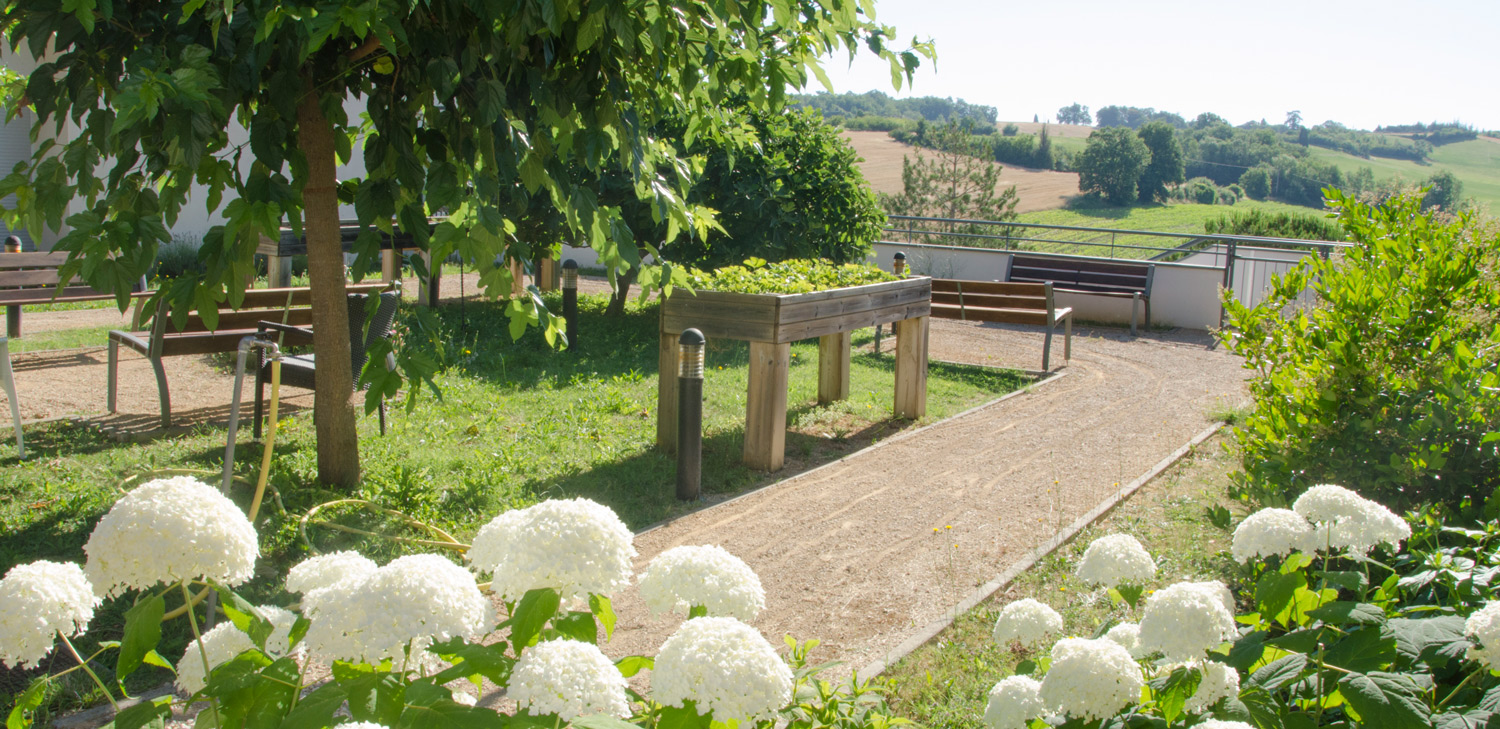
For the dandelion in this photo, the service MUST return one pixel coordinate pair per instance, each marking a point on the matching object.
(170, 530)
(1272, 532)
(1483, 628)
(1013, 703)
(1114, 559)
(1091, 679)
(1028, 622)
(1186, 620)
(707, 576)
(569, 679)
(42, 600)
(577, 547)
(726, 668)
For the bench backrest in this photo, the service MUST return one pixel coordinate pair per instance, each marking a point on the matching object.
(285, 305)
(1077, 274)
(23, 275)
(992, 294)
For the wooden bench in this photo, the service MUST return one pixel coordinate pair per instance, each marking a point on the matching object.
(1007, 303)
(1119, 279)
(292, 306)
(31, 279)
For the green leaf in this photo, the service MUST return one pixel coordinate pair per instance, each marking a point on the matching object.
(1280, 672)
(142, 634)
(1363, 650)
(1470, 719)
(1386, 701)
(473, 659)
(20, 714)
(578, 626)
(697, 611)
(1435, 641)
(600, 721)
(155, 659)
(143, 715)
(449, 714)
(1349, 613)
(245, 616)
(604, 612)
(535, 609)
(1275, 596)
(1266, 711)
(631, 665)
(683, 717)
(1172, 693)
(316, 709)
(1246, 651)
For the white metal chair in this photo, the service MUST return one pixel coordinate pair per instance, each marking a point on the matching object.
(8, 381)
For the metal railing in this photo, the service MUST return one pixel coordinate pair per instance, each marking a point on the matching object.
(1249, 262)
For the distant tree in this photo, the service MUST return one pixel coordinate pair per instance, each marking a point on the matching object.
(1303, 136)
(1074, 114)
(1208, 119)
(1112, 164)
(1166, 165)
(1010, 130)
(1257, 182)
(1135, 116)
(1444, 191)
(1042, 159)
(1294, 119)
(1034, 119)
(951, 178)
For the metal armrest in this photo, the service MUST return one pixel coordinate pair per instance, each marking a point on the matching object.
(291, 335)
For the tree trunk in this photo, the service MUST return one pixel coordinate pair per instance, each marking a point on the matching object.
(618, 297)
(338, 442)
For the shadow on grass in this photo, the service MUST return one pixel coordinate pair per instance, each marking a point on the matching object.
(1093, 207)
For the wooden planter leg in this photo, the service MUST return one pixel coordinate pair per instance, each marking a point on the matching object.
(765, 406)
(390, 270)
(833, 367)
(666, 393)
(911, 367)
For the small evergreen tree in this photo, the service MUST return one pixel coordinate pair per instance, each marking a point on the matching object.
(952, 179)
(1043, 157)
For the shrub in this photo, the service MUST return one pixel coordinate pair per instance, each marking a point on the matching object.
(1278, 225)
(1257, 182)
(1018, 150)
(179, 256)
(1010, 129)
(1204, 193)
(1388, 384)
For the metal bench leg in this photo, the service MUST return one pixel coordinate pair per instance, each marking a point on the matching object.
(8, 380)
(161, 391)
(1148, 312)
(1135, 299)
(381, 408)
(1047, 351)
(113, 375)
(1068, 338)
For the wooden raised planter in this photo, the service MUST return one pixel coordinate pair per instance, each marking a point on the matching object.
(770, 323)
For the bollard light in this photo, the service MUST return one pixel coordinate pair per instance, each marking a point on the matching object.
(570, 301)
(689, 414)
(13, 244)
(898, 264)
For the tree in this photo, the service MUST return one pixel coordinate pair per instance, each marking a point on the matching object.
(1294, 119)
(1257, 181)
(469, 105)
(1043, 160)
(1112, 163)
(1074, 114)
(952, 180)
(1444, 191)
(1166, 166)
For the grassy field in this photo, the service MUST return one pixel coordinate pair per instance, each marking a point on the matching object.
(1476, 163)
(946, 682)
(1172, 218)
(517, 424)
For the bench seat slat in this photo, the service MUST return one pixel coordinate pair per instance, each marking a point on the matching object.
(1002, 316)
(994, 302)
(1079, 264)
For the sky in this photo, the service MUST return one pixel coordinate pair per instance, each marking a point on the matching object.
(1362, 64)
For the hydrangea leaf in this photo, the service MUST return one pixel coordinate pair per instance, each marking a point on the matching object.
(1386, 701)
(142, 633)
(532, 613)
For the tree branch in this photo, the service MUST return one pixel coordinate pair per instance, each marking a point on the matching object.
(369, 46)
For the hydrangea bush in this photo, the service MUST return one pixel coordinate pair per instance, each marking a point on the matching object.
(1345, 615)
(401, 641)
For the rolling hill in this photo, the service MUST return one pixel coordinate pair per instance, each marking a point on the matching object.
(1475, 162)
(1036, 189)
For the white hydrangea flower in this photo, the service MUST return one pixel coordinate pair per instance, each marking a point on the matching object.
(1091, 679)
(576, 546)
(1345, 520)
(1272, 532)
(1185, 620)
(465, 698)
(1221, 724)
(710, 576)
(1114, 559)
(1218, 589)
(1013, 703)
(221, 645)
(1128, 635)
(1219, 682)
(406, 604)
(568, 678)
(1027, 621)
(39, 601)
(1483, 627)
(170, 530)
(724, 667)
(278, 644)
(315, 576)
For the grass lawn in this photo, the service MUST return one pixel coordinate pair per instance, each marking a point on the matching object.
(1475, 162)
(517, 424)
(1169, 218)
(946, 683)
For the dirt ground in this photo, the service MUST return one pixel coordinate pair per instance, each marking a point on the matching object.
(1035, 189)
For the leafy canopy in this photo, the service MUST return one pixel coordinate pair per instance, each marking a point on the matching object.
(1112, 163)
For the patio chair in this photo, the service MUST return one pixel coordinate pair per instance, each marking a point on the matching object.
(299, 370)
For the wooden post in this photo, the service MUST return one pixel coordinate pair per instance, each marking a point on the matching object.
(911, 367)
(765, 406)
(666, 393)
(546, 279)
(278, 271)
(427, 294)
(833, 367)
(390, 267)
(517, 280)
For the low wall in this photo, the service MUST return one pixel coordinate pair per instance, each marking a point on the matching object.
(1182, 295)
